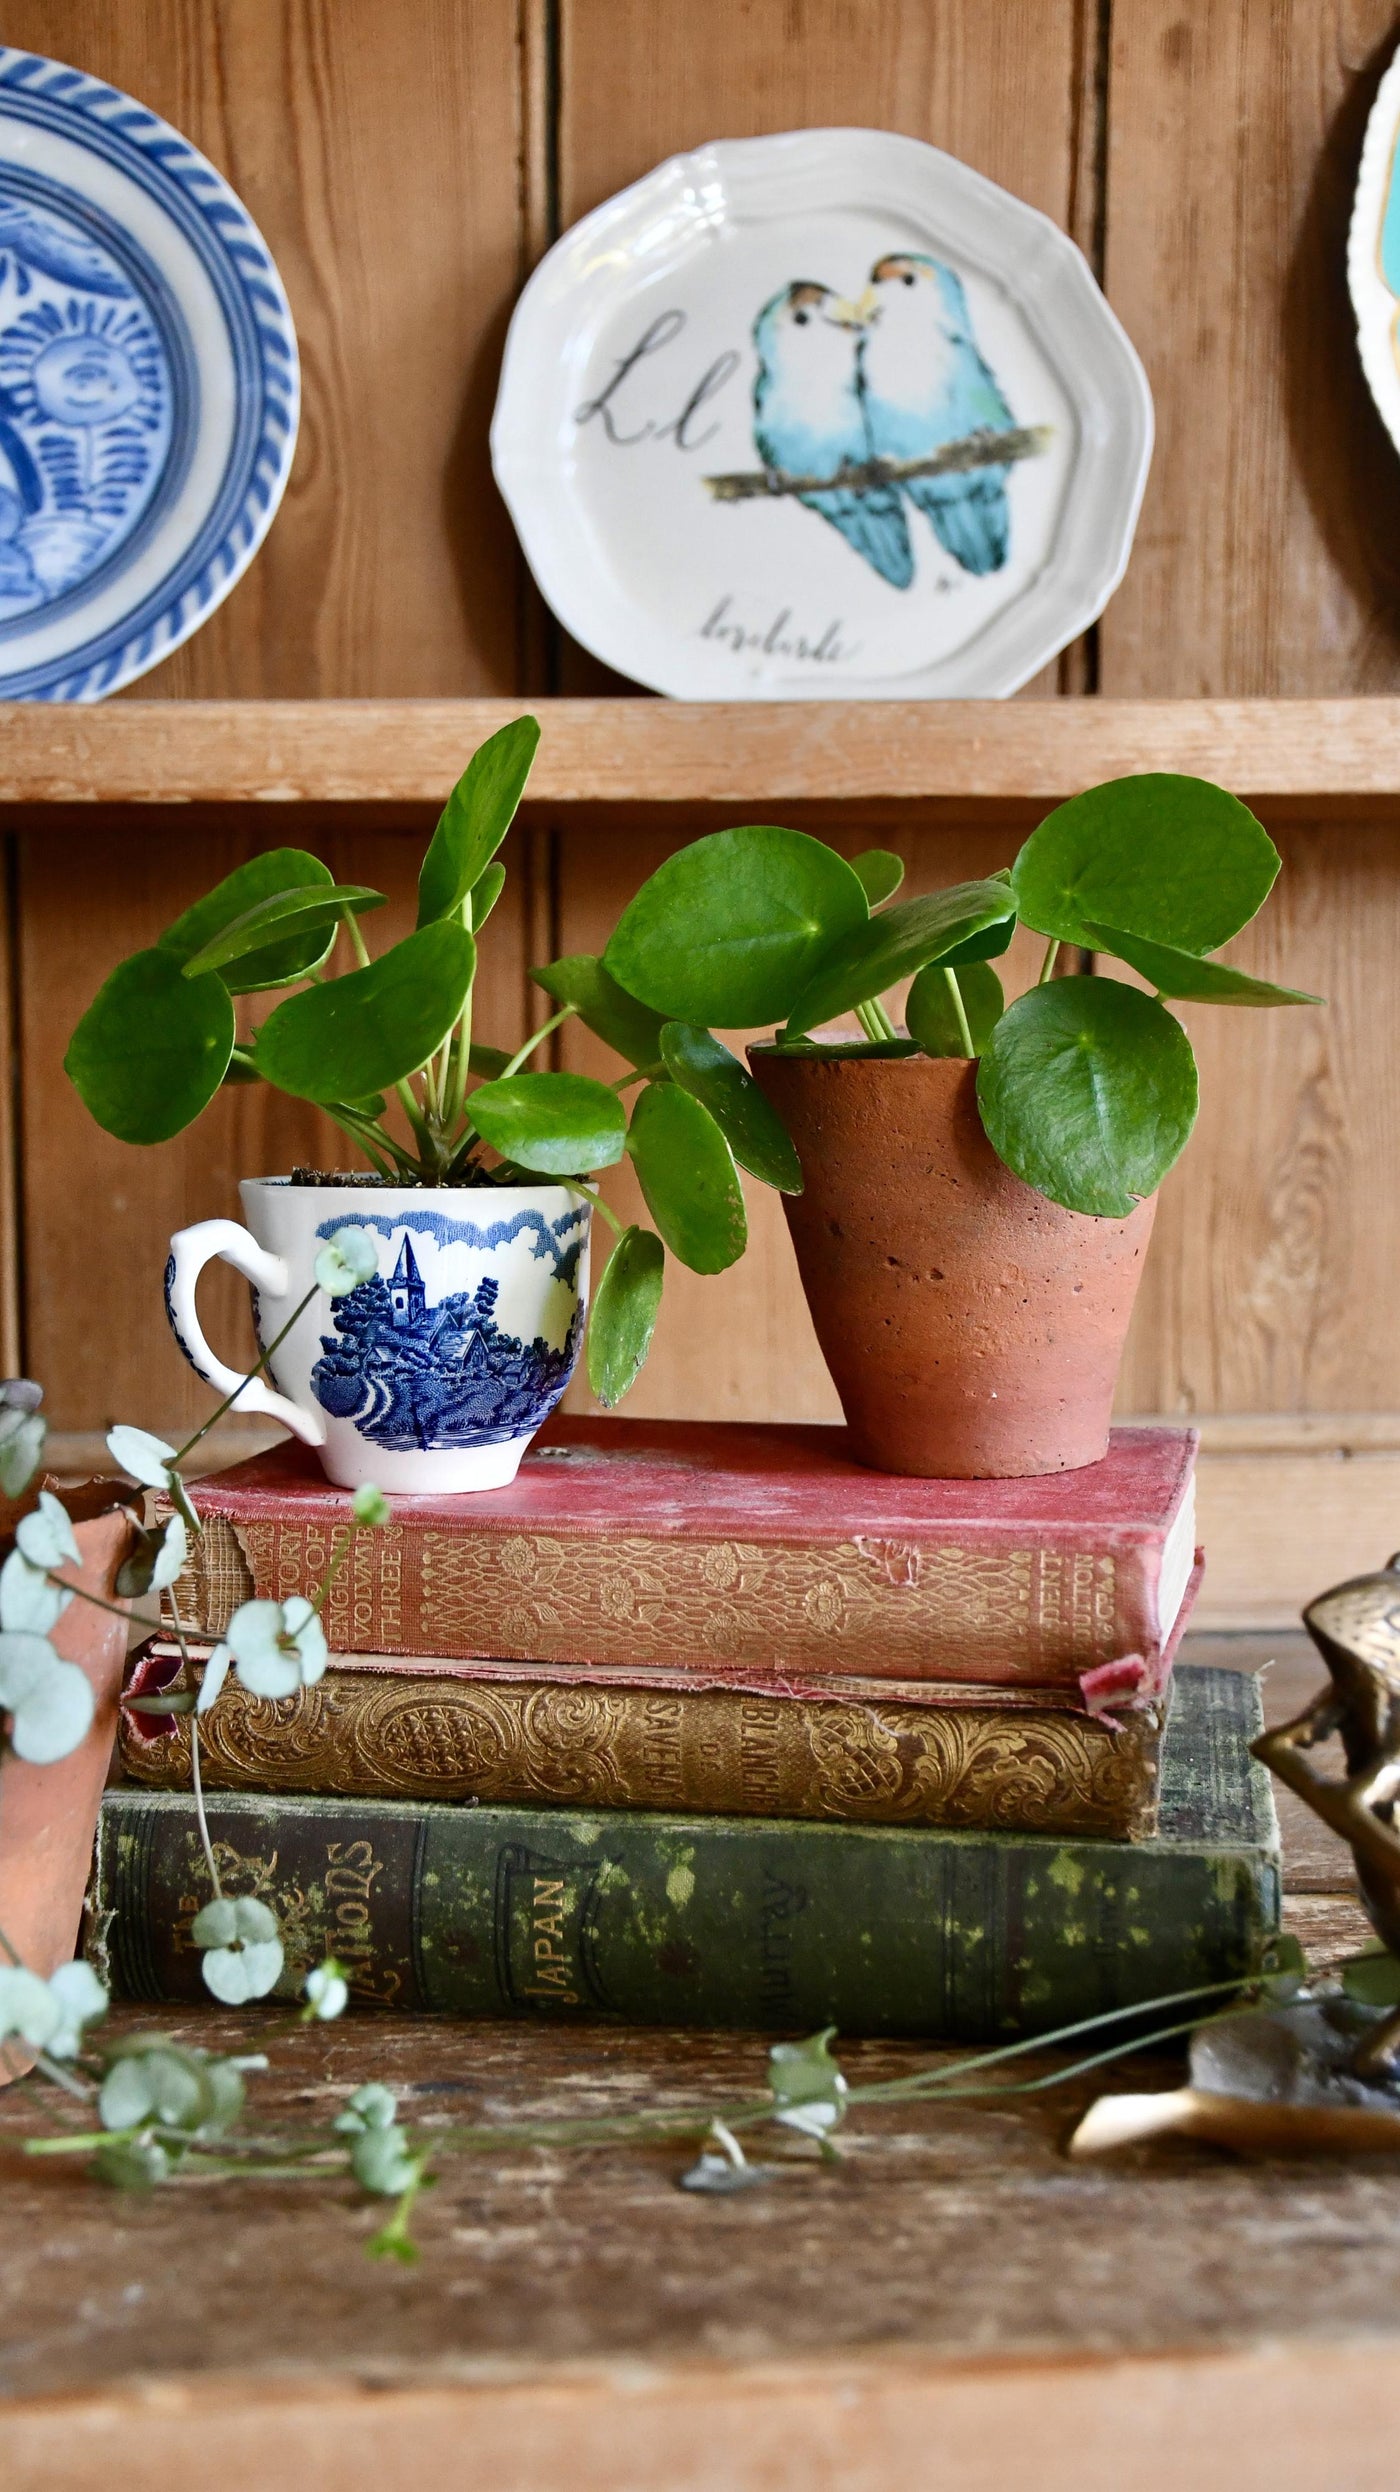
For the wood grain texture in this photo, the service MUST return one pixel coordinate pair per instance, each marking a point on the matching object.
(580, 2315)
(378, 149)
(1321, 761)
(1001, 88)
(1278, 2417)
(1277, 1242)
(1266, 558)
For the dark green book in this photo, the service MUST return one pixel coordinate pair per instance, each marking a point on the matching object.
(490, 1911)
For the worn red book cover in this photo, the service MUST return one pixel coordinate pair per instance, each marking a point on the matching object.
(733, 1549)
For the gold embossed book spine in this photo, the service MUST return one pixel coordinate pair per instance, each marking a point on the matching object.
(396, 1733)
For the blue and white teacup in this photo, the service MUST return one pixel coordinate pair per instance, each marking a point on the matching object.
(435, 1373)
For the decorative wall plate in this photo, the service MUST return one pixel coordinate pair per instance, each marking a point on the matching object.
(1373, 253)
(742, 426)
(148, 385)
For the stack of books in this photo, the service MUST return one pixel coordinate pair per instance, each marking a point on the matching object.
(709, 1724)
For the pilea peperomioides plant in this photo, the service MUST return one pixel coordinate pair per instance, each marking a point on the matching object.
(1086, 1084)
(388, 1050)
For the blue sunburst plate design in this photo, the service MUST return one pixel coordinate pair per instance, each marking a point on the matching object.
(148, 385)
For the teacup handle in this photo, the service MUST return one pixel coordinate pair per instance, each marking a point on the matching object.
(190, 1250)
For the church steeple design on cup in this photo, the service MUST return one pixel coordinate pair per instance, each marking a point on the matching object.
(407, 1290)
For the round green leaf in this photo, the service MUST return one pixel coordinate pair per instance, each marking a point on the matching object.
(311, 908)
(880, 873)
(687, 1174)
(603, 1006)
(562, 1124)
(367, 1030)
(931, 1017)
(151, 1050)
(727, 931)
(1088, 1091)
(624, 1312)
(281, 963)
(898, 941)
(1182, 974)
(475, 819)
(1172, 858)
(749, 1123)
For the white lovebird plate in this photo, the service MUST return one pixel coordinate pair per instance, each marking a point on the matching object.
(148, 385)
(825, 415)
(1373, 253)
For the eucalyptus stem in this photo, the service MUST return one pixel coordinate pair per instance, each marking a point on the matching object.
(230, 1398)
(197, 1789)
(337, 1561)
(1047, 966)
(57, 2074)
(955, 997)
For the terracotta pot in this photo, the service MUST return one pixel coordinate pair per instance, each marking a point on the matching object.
(48, 1813)
(973, 1330)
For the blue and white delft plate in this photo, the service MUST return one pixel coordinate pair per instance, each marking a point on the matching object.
(833, 308)
(1373, 253)
(148, 385)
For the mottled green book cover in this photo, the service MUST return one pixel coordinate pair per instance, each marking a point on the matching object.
(654, 1919)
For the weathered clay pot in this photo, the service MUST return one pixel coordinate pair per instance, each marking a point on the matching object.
(973, 1330)
(48, 1813)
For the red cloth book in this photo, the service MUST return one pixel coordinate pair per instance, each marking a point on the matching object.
(734, 1552)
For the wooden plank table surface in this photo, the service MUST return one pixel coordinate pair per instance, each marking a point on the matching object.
(954, 2285)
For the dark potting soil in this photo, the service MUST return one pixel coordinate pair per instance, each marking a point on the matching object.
(477, 1179)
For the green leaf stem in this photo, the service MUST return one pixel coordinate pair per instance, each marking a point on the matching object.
(931, 1015)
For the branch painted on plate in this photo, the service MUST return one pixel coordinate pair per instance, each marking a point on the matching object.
(956, 458)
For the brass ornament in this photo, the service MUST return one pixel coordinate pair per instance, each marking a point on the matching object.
(1356, 1628)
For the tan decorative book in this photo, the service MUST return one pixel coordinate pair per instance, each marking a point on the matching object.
(400, 1733)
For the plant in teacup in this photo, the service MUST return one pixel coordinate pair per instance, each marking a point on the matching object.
(439, 1371)
(979, 1185)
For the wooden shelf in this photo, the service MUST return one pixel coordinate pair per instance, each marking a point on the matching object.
(1295, 756)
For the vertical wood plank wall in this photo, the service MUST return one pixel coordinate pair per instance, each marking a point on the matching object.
(408, 160)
